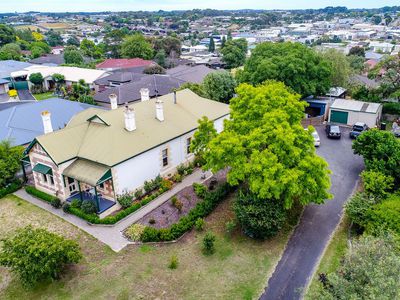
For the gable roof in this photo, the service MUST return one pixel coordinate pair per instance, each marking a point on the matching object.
(9, 66)
(193, 74)
(22, 123)
(123, 63)
(120, 77)
(130, 92)
(358, 106)
(111, 144)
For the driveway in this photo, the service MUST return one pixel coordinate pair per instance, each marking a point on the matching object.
(318, 222)
(25, 95)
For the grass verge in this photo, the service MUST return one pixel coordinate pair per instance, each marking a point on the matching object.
(43, 96)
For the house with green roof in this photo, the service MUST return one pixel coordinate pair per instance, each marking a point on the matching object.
(102, 154)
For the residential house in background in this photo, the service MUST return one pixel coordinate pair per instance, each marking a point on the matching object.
(132, 64)
(141, 88)
(102, 154)
(194, 74)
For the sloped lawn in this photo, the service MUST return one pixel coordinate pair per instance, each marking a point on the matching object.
(238, 270)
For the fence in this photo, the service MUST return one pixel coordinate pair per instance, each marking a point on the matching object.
(312, 121)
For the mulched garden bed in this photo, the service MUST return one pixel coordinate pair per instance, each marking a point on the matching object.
(166, 214)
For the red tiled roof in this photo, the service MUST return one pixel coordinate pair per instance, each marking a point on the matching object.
(123, 63)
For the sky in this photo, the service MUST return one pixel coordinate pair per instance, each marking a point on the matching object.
(152, 5)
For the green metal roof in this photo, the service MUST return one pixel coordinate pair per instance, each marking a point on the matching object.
(42, 169)
(87, 171)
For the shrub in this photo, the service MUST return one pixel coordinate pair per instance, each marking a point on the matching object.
(56, 203)
(174, 199)
(76, 203)
(200, 190)
(135, 231)
(259, 218)
(39, 194)
(199, 225)
(376, 183)
(179, 205)
(209, 243)
(230, 227)
(152, 221)
(150, 234)
(173, 263)
(88, 207)
(125, 200)
(384, 217)
(357, 208)
(165, 185)
(181, 169)
(391, 108)
(37, 255)
(177, 178)
(66, 207)
(11, 188)
(138, 194)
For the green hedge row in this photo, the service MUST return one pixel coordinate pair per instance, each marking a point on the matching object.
(11, 188)
(43, 196)
(201, 210)
(94, 219)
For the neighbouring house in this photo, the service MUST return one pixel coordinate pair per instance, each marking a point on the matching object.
(337, 92)
(117, 79)
(115, 64)
(9, 66)
(194, 74)
(71, 75)
(142, 88)
(4, 89)
(350, 112)
(54, 60)
(57, 50)
(102, 154)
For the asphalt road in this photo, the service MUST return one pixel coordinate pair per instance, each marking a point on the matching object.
(318, 222)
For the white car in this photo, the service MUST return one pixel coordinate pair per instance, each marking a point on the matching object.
(317, 141)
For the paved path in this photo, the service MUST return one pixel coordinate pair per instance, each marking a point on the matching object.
(317, 224)
(112, 235)
(25, 95)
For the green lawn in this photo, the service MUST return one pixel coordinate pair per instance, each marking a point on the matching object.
(331, 259)
(43, 96)
(238, 270)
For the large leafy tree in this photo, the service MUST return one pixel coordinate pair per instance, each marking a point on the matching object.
(53, 38)
(298, 66)
(113, 40)
(10, 51)
(73, 56)
(202, 138)
(37, 255)
(340, 67)
(234, 53)
(390, 83)
(7, 35)
(219, 86)
(10, 161)
(136, 46)
(265, 147)
(171, 45)
(196, 88)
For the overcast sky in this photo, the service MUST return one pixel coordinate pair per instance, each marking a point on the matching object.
(151, 5)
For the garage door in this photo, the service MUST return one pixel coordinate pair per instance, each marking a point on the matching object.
(339, 116)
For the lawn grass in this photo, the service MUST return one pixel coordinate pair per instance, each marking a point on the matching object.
(239, 269)
(43, 96)
(330, 262)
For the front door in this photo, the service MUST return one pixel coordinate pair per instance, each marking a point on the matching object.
(72, 185)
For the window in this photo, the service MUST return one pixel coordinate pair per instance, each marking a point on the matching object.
(102, 185)
(165, 157)
(44, 177)
(188, 142)
(51, 180)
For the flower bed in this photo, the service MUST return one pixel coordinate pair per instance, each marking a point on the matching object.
(201, 210)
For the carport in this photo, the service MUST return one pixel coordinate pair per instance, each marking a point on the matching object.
(350, 112)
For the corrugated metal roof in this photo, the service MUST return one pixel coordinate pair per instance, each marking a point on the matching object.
(86, 171)
(110, 145)
(354, 105)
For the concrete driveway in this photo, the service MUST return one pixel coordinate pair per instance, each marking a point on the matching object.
(318, 222)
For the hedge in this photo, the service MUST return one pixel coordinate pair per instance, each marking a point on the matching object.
(201, 210)
(43, 196)
(94, 218)
(11, 188)
(391, 108)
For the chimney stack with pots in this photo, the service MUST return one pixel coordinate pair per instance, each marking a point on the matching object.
(144, 94)
(159, 110)
(130, 121)
(113, 100)
(46, 118)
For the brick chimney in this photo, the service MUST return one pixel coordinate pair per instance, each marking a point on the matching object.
(113, 101)
(46, 118)
(159, 110)
(144, 94)
(130, 120)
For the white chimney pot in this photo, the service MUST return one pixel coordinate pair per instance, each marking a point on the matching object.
(159, 110)
(130, 120)
(113, 101)
(144, 94)
(46, 118)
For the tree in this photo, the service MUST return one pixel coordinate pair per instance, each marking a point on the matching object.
(234, 53)
(340, 67)
(381, 152)
(390, 82)
(7, 35)
(211, 46)
(10, 161)
(171, 45)
(113, 40)
(79, 89)
(10, 51)
(202, 138)
(219, 86)
(154, 69)
(73, 41)
(258, 219)
(369, 271)
(136, 46)
(223, 42)
(53, 38)
(267, 149)
(46, 48)
(73, 56)
(25, 34)
(298, 66)
(357, 63)
(358, 51)
(37, 52)
(160, 58)
(37, 255)
(376, 19)
(377, 184)
(36, 78)
(59, 79)
(88, 47)
(196, 88)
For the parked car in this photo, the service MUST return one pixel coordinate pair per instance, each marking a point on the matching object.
(333, 131)
(317, 141)
(358, 128)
